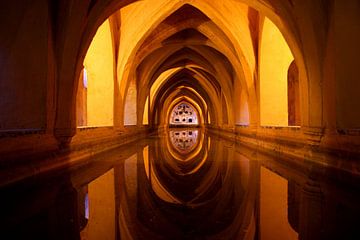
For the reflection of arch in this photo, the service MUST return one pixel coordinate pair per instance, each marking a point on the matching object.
(161, 182)
(184, 114)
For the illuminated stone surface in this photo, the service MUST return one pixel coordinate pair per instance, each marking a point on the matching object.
(79, 79)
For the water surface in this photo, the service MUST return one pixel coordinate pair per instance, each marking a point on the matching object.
(185, 184)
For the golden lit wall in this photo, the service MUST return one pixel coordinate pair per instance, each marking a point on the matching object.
(130, 116)
(275, 59)
(274, 222)
(99, 64)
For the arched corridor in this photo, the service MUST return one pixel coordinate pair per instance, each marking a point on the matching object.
(80, 79)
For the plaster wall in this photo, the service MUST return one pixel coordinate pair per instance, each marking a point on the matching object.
(275, 59)
(99, 65)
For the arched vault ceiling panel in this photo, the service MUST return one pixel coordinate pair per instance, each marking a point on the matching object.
(170, 88)
(145, 69)
(155, 64)
(183, 55)
(70, 51)
(177, 73)
(189, 81)
(224, 14)
(188, 58)
(209, 77)
(207, 57)
(186, 36)
(224, 67)
(137, 29)
(205, 34)
(219, 60)
(192, 79)
(187, 14)
(214, 83)
(221, 78)
(186, 17)
(145, 76)
(212, 103)
(163, 77)
(211, 100)
(194, 94)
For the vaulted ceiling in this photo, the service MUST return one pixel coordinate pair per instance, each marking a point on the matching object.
(188, 45)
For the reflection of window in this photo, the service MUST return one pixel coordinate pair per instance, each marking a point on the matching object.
(184, 141)
(87, 211)
(183, 114)
(83, 207)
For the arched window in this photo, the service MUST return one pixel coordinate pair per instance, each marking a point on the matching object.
(294, 118)
(184, 114)
(81, 99)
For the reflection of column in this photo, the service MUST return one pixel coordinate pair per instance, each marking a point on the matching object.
(311, 214)
(125, 197)
(294, 194)
(63, 216)
(255, 167)
(82, 208)
(118, 189)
